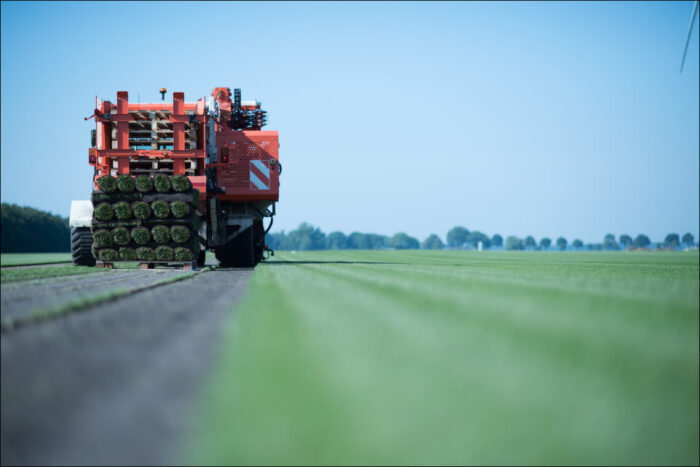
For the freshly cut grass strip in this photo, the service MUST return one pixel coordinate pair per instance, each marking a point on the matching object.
(164, 253)
(160, 234)
(104, 212)
(183, 254)
(143, 183)
(122, 210)
(108, 254)
(181, 183)
(107, 184)
(127, 254)
(162, 183)
(125, 183)
(145, 254)
(160, 209)
(179, 209)
(179, 233)
(102, 238)
(121, 236)
(140, 235)
(25, 274)
(141, 210)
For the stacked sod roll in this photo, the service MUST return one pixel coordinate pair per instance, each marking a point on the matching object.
(145, 219)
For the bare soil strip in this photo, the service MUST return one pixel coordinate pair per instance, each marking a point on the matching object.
(117, 383)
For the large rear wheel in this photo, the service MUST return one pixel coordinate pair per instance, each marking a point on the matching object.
(239, 252)
(81, 246)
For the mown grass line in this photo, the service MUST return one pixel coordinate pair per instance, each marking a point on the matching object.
(11, 324)
(459, 358)
(25, 259)
(24, 274)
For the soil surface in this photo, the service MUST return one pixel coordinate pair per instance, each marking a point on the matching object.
(116, 383)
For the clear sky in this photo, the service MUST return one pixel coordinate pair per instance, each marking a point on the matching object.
(540, 119)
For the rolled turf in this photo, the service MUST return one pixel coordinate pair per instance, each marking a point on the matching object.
(183, 254)
(160, 234)
(181, 183)
(122, 210)
(160, 209)
(143, 183)
(162, 183)
(145, 254)
(108, 254)
(140, 235)
(141, 210)
(107, 184)
(121, 236)
(104, 212)
(179, 208)
(164, 253)
(179, 233)
(127, 254)
(102, 238)
(125, 183)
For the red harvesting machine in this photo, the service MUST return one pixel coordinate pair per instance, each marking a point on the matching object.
(218, 144)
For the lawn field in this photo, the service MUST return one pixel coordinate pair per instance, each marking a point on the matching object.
(458, 358)
(21, 259)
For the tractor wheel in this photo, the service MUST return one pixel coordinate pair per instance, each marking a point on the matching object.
(81, 246)
(239, 252)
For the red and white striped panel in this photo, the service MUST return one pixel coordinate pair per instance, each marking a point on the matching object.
(260, 175)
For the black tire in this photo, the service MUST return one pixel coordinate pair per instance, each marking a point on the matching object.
(81, 246)
(201, 258)
(239, 252)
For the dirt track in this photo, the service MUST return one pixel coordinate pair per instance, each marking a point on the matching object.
(117, 382)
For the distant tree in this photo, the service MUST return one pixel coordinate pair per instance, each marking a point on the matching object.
(609, 243)
(514, 243)
(358, 241)
(497, 240)
(561, 243)
(672, 240)
(545, 243)
(598, 246)
(473, 239)
(336, 241)
(377, 242)
(625, 241)
(433, 242)
(307, 237)
(401, 241)
(577, 243)
(590, 246)
(457, 237)
(530, 242)
(641, 241)
(688, 239)
(28, 230)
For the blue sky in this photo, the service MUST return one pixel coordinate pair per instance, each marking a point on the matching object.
(540, 119)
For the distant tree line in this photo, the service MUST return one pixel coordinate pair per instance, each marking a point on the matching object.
(26, 230)
(308, 237)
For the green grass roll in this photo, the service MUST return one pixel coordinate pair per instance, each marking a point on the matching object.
(181, 183)
(179, 208)
(127, 254)
(120, 236)
(160, 234)
(164, 253)
(160, 209)
(125, 183)
(183, 254)
(107, 184)
(122, 210)
(179, 233)
(104, 212)
(141, 210)
(140, 235)
(162, 183)
(108, 254)
(143, 183)
(145, 254)
(102, 238)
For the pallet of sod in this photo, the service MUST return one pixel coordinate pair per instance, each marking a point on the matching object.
(145, 219)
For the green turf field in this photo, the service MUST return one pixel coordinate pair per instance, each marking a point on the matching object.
(21, 259)
(459, 358)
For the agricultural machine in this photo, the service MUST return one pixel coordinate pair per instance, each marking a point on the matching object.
(218, 144)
